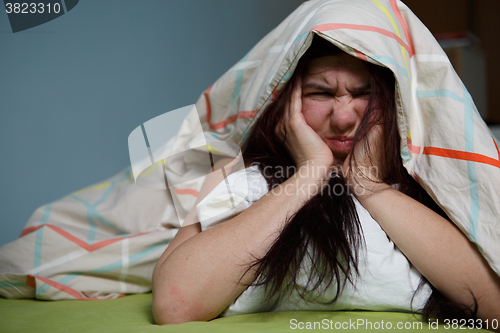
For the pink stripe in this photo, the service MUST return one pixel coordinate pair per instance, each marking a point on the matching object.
(360, 55)
(233, 118)
(78, 241)
(188, 191)
(30, 281)
(274, 94)
(405, 28)
(336, 26)
(247, 114)
(30, 230)
(228, 120)
(207, 103)
(70, 237)
(68, 290)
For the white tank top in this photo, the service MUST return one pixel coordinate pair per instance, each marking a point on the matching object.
(386, 282)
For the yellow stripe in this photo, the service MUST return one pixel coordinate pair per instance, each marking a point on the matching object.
(395, 26)
(213, 150)
(151, 168)
(101, 186)
(96, 187)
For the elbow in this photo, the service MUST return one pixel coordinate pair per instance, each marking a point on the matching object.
(166, 315)
(175, 308)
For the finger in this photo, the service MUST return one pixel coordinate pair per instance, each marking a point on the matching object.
(296, 99)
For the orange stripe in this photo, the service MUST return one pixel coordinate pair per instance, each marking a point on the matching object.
(461, 155)
(30, 230)
(78, 241)
(194, 193)
(456, 154)
(247, 114)
(68, 290)
(70, 237)
(104, 243)
(416, 179)
(402, 22)
(335, 26)
(207, 102)
(233, 118)
(360, 55)
(30, 281)
(228, 120)
(274, 94)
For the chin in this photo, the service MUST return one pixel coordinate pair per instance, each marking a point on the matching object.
(338, 162)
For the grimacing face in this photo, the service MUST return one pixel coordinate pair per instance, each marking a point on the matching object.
(335, 96)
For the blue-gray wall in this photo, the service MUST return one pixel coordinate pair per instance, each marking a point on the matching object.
(72, 89)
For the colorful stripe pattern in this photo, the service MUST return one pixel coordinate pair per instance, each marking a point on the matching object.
(68, 264)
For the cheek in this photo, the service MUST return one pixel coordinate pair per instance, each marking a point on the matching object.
(315, 114)
(360, 108)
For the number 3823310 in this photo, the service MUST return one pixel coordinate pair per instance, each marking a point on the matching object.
(32, 8)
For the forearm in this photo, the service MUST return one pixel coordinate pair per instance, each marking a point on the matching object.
(201, 277)
(438, 249)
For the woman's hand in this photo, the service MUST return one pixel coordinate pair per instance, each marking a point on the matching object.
(302, 143)
(365, 170)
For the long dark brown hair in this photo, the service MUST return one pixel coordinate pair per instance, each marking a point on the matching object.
(327, 229)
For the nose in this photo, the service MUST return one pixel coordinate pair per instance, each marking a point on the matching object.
(344, 115)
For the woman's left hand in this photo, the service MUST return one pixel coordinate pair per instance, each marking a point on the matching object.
(365, 171)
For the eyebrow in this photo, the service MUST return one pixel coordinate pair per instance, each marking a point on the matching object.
(366, 86)
(318, 86)
(322, 87)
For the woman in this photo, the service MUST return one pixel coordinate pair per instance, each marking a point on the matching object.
(336, 113)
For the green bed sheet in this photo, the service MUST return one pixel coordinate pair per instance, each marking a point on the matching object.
(133, 314)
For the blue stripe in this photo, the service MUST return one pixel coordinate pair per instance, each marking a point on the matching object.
(144, 253)
(37, 261)
(439, 93)
(68, 278)
(128, 172)
(471, 166)
(469, 110)
(404, 155)
(46, 214)
(388, 60)
(96, 215)
(42, 289)
(287, 76)
(38, 248)
(91, 235)
(111, 267)
(81, 200)
(302, 36)
(92, 212)
(118, 264)
(5, 285)
(106, 194)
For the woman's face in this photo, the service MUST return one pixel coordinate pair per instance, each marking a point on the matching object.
(335, 96)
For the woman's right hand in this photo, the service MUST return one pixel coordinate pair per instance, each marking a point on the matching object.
(303, 144)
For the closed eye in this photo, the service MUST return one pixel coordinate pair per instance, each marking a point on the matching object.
(319, 93)
(363, 93)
